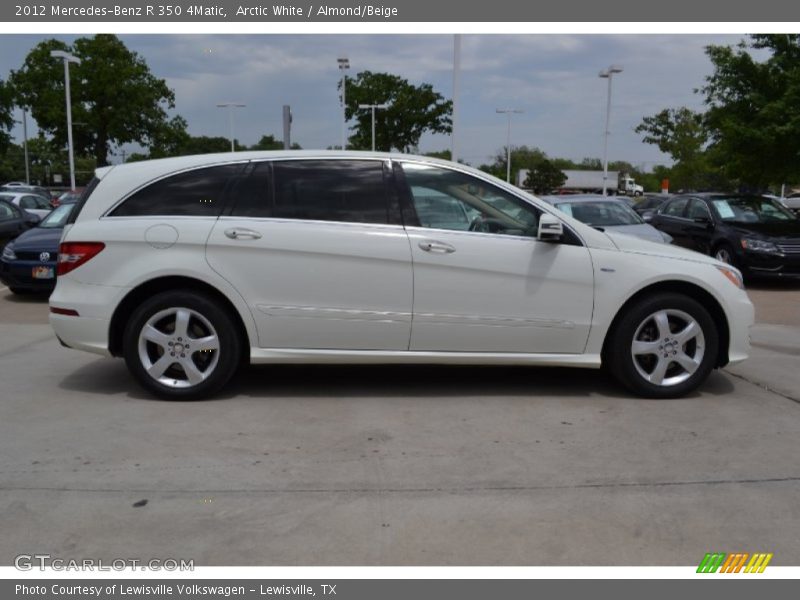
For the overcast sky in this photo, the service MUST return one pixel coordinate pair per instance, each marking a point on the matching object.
(553, 78)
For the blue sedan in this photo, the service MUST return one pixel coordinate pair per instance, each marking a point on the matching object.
(28, 263)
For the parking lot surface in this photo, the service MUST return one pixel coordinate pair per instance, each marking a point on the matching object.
(398, 465)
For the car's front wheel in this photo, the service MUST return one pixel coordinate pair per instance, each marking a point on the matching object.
(664, 346)
(182, 345)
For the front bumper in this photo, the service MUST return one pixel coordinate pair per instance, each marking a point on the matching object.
(767, 264)
(18, 274)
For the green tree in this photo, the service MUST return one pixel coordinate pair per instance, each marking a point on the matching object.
(268, 142)
(412, 111)
(522, 157)
(753, 114)
(544, 177)
(6, 117)
(682, 134)
(115, 97)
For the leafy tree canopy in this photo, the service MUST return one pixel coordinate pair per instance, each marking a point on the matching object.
(544, 177)
(412, 110)
(115, 97)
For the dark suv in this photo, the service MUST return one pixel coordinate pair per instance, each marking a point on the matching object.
(756, 234)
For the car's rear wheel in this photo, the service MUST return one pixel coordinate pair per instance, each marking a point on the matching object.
(182, 345)
(664, 346)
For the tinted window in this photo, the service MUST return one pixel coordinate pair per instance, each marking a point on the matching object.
(698, 210)
(252, 197)
(191, 193)
(446, 199)
(6, 212)
(330, 190)
(36, 202)
(675, 207)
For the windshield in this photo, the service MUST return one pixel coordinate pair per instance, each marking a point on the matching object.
(751, 209)
(57, 217)
(604, 213)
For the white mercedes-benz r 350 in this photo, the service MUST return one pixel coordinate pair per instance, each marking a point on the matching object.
(187, 267)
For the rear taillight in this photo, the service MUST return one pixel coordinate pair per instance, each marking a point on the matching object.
(72, 255)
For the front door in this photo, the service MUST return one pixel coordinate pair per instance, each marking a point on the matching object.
(482, 281)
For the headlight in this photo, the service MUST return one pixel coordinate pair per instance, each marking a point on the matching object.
(733, 275)
(8, 253)
(758, 245)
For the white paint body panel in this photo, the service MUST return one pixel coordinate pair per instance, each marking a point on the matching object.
(332, 292)
(313, 284)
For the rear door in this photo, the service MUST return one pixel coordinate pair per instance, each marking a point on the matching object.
(699, 226)
(318, 252)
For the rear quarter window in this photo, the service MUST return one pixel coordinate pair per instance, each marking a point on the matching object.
(198, 192)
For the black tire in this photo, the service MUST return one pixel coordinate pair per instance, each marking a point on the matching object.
(633, 371)
(19, 291)
(207, 320)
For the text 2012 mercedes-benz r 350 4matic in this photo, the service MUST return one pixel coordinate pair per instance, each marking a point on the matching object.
(187, 267)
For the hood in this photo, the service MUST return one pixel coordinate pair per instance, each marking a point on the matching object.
(39, 239)
(778, 229)
(642, 230)
(637, 245)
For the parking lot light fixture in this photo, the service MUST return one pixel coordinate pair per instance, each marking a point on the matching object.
(344, 64)
(68, 58)
(230, 106)
(373, 107)
(607, 74)
(508, 112)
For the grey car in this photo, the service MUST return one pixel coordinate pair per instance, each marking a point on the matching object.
(605, 212)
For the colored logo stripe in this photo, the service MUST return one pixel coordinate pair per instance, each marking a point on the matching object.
(734, 563)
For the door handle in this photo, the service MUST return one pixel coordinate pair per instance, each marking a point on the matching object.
(237, 233)
(437, 247)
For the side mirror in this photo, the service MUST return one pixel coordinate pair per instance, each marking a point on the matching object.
(647, 217)
(550, 228)
(32, 219)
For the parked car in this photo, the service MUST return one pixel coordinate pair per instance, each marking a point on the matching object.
(792, 202)
(18, 188)
(28, 263)
(68, 196)
(608, 213)
(758, 235)
(189, 266)
(649, 203)
(33, 203)
(13, 221)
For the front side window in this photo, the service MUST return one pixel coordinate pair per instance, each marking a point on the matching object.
(351, 191)
(191, 193)
(6, 212)
(601, 213)
(446, 199)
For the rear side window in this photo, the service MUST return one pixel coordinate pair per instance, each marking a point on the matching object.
(330, 190)
(191, 193)
(674, 208)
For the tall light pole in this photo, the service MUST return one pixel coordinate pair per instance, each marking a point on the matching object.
(344, 64)
(373, 107)
(456, 77)
(508, 112)
(607, 74)
(230, 106)
(24, 124)
(68, 58)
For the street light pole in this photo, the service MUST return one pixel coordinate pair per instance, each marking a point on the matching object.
(344, 64)
(25, 146)
(607, 74)
(230, 106)
(373, 107)
(508, 112)
(68, 58)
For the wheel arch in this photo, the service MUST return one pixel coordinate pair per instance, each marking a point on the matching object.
(691, 290)
(168, 283)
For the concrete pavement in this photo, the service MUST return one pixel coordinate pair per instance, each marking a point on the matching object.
(394, 465)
